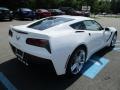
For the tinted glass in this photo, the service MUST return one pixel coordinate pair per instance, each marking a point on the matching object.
(43, 10)
(92, 25)
(78, 26)
(57, 10)
(25, 9)
(2, 8)
(49, 22)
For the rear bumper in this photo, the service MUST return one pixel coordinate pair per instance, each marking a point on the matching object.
(58, 59)
(2, 16)
(31, 59)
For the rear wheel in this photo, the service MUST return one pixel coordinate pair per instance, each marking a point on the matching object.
(76, 62)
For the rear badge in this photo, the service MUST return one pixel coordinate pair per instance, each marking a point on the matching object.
(17, 37)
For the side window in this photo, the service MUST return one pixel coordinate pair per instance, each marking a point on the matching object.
(78, 26)
(92, 25)
(99, 27)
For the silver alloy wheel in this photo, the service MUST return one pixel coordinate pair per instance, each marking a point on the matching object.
(79, 60)
(114, 40)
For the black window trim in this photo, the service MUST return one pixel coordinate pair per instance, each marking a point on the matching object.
(76, 23)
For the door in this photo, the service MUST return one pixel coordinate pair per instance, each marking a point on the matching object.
(96, 35)
(107, 35)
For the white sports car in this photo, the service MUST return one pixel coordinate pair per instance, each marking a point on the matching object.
(66, 41)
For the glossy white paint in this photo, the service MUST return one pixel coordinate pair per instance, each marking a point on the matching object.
(63, 41)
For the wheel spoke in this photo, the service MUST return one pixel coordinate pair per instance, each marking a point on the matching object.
(79, 60)
(74, 67)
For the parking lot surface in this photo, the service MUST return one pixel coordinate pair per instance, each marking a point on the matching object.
(41, 77)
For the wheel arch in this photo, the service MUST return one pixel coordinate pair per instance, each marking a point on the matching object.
(116, 32)
(79, 46)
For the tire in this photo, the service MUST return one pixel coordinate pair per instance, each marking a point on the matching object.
(76, 62)
(10, 19)
(113, 41)
(32, 18)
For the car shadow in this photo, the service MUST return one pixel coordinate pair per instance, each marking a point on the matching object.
(34, 77)
(38, 77)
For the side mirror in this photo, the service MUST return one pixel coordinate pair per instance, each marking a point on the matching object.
(107, 29)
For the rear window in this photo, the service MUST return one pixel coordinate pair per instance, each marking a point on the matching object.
(49, 22)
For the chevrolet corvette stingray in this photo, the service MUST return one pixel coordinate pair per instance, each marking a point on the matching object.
(65, 41)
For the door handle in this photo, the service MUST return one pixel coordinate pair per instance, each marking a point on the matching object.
(89, 34)
(78, 31)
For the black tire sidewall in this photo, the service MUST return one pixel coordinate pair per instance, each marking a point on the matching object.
(112, 39)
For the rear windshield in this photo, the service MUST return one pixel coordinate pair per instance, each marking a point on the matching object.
(49, 22)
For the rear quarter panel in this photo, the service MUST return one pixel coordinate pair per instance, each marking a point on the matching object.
(63, 46)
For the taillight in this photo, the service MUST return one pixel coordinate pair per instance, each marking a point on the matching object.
(10, 33)
(39, 42)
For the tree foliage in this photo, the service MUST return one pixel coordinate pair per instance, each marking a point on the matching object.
(115, 6)
(96, 5)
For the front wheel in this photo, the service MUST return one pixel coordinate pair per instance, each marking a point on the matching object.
(113, 41)
(76, 62)
(10, 19)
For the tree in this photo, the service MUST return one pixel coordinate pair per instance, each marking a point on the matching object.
(115, 6)
(31, 4)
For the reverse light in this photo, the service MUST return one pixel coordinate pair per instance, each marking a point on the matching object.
(39, 42)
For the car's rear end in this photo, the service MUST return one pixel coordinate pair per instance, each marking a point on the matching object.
(55, 12)
(27, 13)
(5, 13)
(42, 13)
(29, 43)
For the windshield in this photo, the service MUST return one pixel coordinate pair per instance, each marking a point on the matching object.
(26, 9)
(43, 10)
(57, 10)
(2, 8)
(49, 22)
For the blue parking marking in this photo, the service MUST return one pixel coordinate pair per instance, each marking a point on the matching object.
(6, 82)
(117, 46)
(117, 49)
(94, 66)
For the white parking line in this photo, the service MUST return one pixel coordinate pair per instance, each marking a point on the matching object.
(8, 85)
(118, 41)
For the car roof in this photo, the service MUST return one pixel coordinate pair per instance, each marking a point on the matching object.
(25, 8)
(42, 9)
(80, 18)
